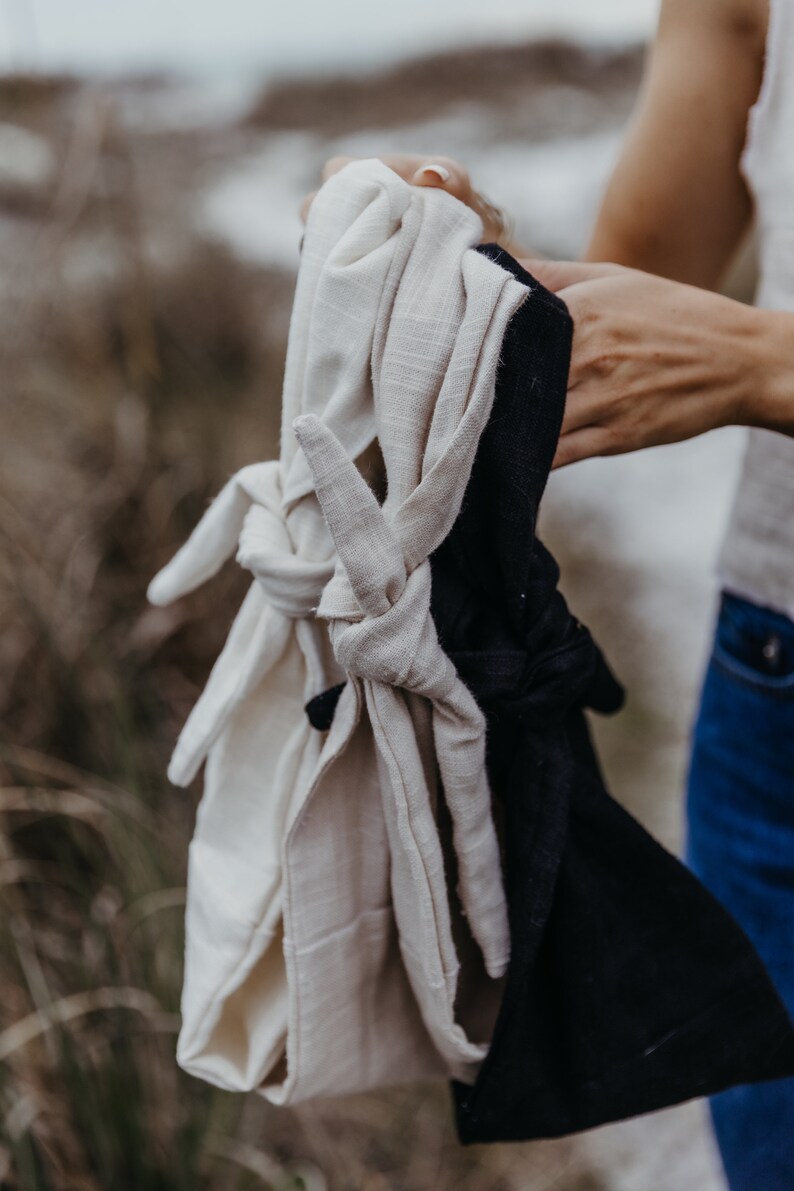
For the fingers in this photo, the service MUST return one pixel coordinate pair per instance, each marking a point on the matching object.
(583, 444)
(417, 169)
(436, 172)
(333, 165)
(441, 172)
(587, 427)
(307, 202)
(447, 174)
(582, 409)
(558, 275)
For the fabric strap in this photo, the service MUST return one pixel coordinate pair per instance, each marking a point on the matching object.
(395, 331)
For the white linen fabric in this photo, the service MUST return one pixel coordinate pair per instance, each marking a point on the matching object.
(320, 929)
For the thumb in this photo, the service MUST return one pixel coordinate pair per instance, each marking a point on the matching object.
(557, 275)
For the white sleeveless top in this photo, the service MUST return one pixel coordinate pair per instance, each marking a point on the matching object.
(757, 559)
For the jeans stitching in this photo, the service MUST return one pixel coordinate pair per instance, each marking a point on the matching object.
(781, 688)
(748, 622)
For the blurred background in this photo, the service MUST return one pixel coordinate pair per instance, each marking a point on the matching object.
(152, 159)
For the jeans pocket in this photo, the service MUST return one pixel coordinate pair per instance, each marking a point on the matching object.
(755, 646)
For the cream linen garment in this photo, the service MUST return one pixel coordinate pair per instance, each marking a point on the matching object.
(320, 955)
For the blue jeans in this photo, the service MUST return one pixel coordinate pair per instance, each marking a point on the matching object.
(741, 845)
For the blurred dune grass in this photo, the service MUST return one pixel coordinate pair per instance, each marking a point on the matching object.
(511, 80)
(114, 395)
(132, 385)
(141, 365)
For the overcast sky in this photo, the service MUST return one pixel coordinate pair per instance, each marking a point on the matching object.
(112, 35)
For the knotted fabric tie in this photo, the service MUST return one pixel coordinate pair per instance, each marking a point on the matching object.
(246, 518)
(559, 668)
(395, 333)
(383, 633)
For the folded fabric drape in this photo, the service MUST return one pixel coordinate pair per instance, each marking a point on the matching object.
(347, 922)
(630, 988)
(378, 610)
(434, 360)
(320, 934)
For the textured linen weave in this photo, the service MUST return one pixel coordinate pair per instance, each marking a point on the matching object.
(321, 949)
(629, 987)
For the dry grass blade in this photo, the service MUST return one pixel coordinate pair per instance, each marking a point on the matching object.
(22, 1115)
(52, 768)
(15, 872)
(79, 804)
(266, 1168)
(152, 903)
(73, 803)
(79, 1005)
(141, 362)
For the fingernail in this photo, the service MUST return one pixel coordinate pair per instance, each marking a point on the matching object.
(440, 171)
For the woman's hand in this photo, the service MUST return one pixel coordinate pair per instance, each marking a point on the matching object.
(655, 361)
(442, 172)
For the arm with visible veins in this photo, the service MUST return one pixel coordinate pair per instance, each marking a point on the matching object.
(657, 355)
(657, 361)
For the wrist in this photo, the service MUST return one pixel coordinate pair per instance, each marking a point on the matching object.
(768, 401)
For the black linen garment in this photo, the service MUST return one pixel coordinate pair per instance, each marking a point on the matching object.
(629, 987)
